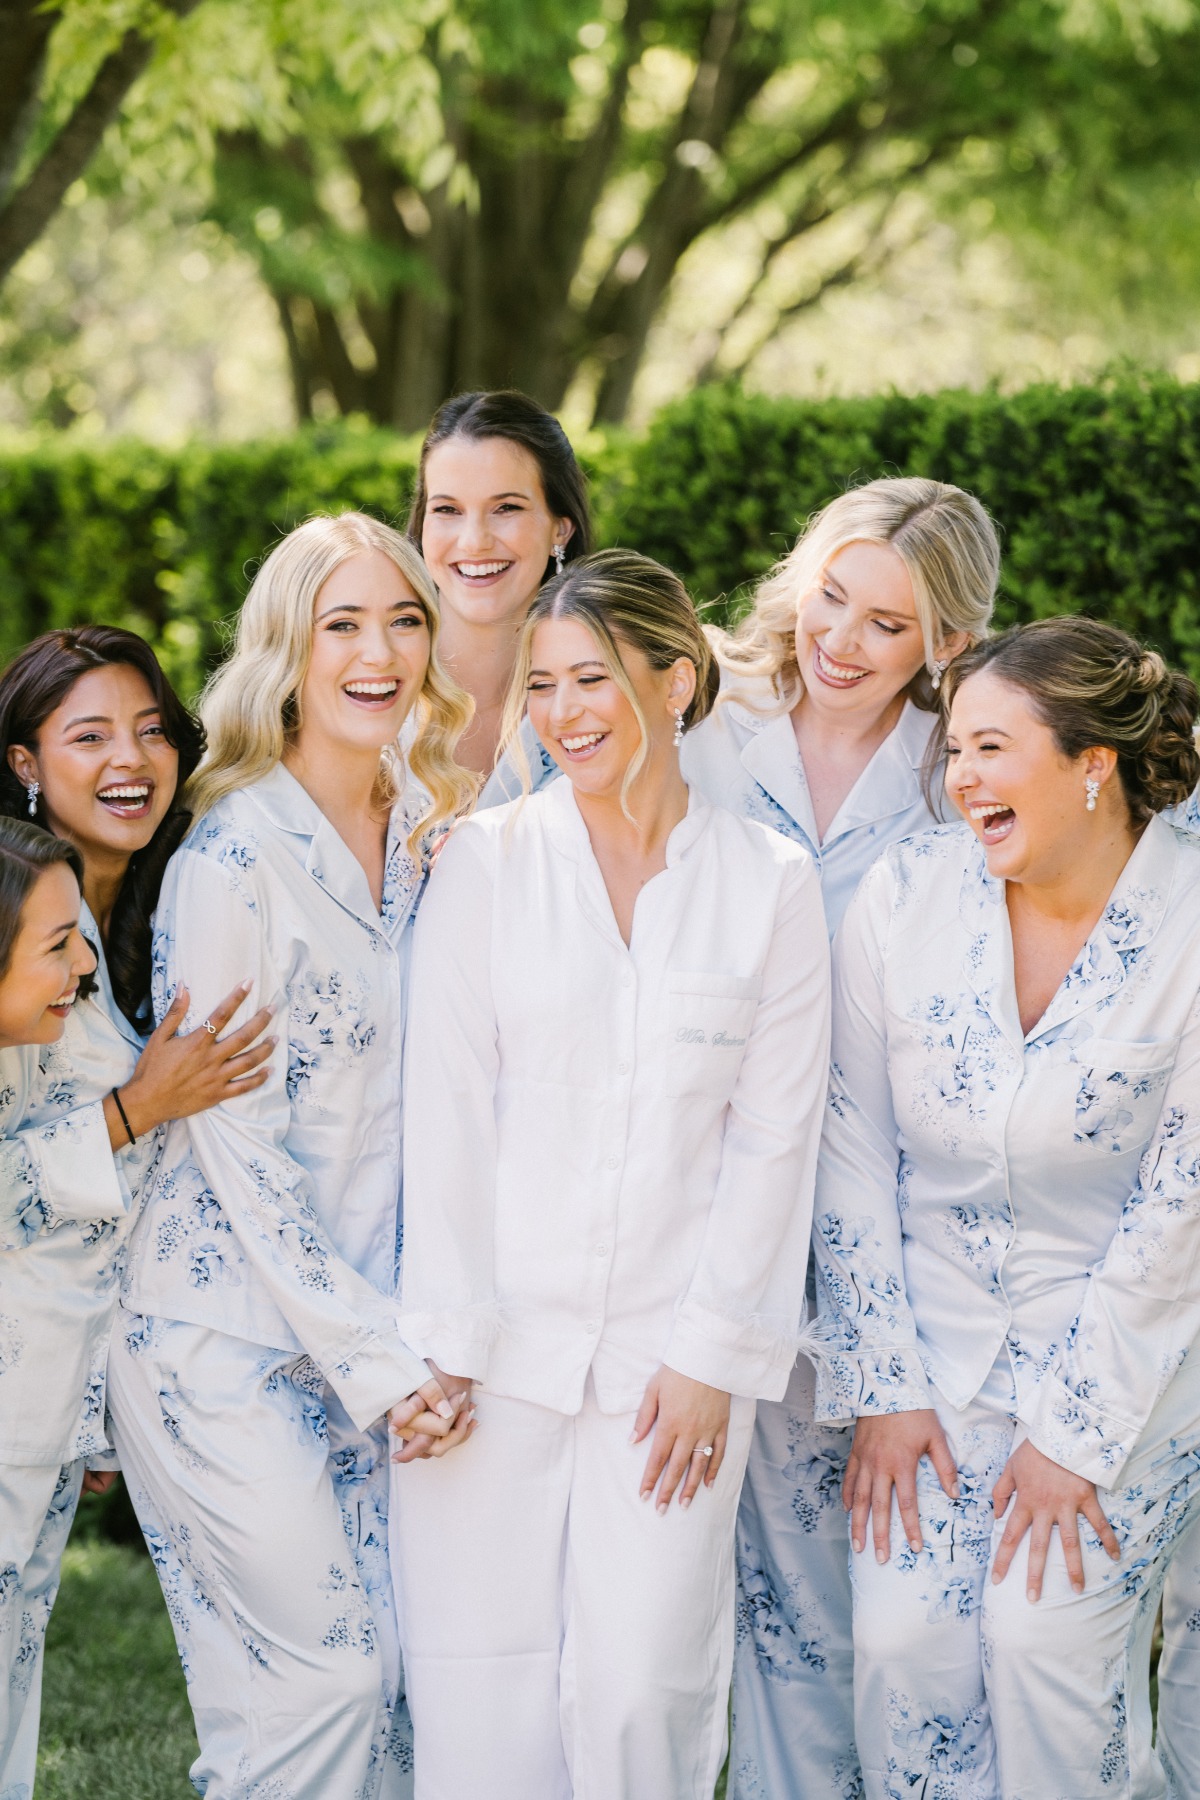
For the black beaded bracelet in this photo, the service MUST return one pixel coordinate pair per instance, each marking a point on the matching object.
(124, 1120)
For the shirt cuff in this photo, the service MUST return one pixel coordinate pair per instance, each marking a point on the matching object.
(76, 1170)
(377, 1377)
(1072, 1431)
(867, 1383)
(459, 1342)
(744, 1357)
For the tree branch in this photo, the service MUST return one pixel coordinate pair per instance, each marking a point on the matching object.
(25, 214)
(25, 31)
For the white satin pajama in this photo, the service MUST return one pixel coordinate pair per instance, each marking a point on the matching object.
(608, 1151)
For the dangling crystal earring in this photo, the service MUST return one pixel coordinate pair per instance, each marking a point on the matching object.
(559, 556)
(33, 790)
(678, 738)
(1091, 788)
(936, 673)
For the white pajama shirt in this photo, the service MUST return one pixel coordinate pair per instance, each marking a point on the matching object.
(264, 1266)
(793, 1714)
(66, 1206)
(608, 1160)
(1008, 1229)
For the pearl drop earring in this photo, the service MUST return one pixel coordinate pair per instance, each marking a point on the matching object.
(559, 556)
(936, 673)
(678, 738)
(33, 790)
(1091, 788)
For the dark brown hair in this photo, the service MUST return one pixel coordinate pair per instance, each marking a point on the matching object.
(36, 682)
(505, 413)
(1094, 685)
(26, 852)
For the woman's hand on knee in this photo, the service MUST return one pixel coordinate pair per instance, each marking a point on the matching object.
(689, 1420)
(883, 1460)
(1046, 1495)
(436, 1418)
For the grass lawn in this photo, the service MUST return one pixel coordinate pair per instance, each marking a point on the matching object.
(115, 1718)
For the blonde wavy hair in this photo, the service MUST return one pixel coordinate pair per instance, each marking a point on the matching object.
(946, 541)
(251, 706)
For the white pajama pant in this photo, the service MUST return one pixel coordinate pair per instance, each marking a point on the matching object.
(1179, 1669)
(265, 1512)
(793, 1667)
(965, 1690)
(561, 1636)
(37, 1506)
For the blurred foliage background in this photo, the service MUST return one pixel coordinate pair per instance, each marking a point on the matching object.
(219, 217)
(1096, 489)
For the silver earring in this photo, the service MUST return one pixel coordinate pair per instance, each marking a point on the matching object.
(33, 790)
(678, 738)
(559, 556)
(936, 673)
(1091, 788)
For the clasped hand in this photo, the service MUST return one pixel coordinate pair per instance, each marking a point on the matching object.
(437, 1417)
(1043, 1495)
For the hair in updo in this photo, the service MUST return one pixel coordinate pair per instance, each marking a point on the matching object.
(623, 599)
(1095, 685)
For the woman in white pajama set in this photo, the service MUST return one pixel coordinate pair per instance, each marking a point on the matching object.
(1008, 1223)
(259, 1356)
(92, 740)
(823, 732)
(616, 1061)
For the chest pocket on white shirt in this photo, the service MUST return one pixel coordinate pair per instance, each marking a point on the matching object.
(708, 1022)
(1119, 1094)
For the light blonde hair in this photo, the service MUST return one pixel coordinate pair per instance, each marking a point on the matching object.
(251, 706)
(946, 541)
(622, 598)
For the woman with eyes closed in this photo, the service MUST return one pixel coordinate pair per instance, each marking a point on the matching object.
(259, 1358)
(501, 503)
(826, 719)
(45, 1163)
(616, 1065)
(1008, 1200)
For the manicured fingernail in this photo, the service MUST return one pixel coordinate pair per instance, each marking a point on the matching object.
(685, 1503)
(444, 1410)
(881, 1556)
(1031, 1596)
(662, 1506)
(473, 1414)
(858, 1545)
(245, 987)
(645, 1494)
(459, 1398)
(633, 1436)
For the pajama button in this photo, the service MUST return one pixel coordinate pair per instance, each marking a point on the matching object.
(601, 1249)
(612, 1162)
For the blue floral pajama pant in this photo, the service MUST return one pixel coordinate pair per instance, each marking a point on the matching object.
(966, 1690)
(1179, 1669)
(265, 1512)
(793, 1671)
(37, 1506)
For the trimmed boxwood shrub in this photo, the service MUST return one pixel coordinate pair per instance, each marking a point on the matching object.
(1096, 490)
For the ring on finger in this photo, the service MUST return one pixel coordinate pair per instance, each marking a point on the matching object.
(209, 1027)
(703, 1450)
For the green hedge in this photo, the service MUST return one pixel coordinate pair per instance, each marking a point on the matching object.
(1096, 490)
